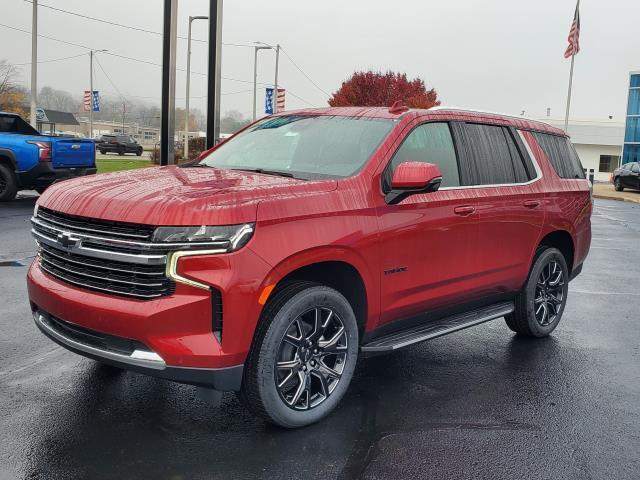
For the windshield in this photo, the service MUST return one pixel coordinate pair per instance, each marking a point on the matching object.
(303, 146)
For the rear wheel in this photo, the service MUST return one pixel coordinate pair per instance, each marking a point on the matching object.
(618, 185)
(540, 304)
(121, 151)
(8, 184)
(103, 152)
(139, 152)
(303, 357)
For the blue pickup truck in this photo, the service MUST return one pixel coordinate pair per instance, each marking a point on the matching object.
(29, 160)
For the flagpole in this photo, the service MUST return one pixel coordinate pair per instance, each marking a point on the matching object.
(573, 56)
(566, 116)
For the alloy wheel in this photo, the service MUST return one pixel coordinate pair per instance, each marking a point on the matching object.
(549, 293)
(311, 358)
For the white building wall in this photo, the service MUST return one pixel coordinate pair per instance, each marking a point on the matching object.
(590, 157)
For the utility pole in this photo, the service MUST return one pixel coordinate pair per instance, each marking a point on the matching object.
(34, 64)
(90, 93)
(275, 83)
(186, 108)
(168, 118)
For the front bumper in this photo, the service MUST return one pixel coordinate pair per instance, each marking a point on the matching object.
(131, 355)
(176, 331)
(43, 175)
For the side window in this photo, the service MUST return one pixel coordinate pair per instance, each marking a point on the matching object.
(561, 154)
(429, 143)
(492, 155)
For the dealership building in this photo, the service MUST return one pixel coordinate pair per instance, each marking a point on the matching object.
(632, 125)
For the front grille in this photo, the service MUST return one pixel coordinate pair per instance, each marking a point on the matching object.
(108, 276)
(102, 228)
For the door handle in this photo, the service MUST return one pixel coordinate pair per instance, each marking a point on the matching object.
(531, 203)
(464, 210)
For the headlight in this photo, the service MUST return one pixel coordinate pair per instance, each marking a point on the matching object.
(230, 237)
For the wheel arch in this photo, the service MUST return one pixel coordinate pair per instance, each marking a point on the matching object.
(563, 241)
(8, 158)
(337, 267)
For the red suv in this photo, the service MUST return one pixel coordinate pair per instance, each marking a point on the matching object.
(307, 240)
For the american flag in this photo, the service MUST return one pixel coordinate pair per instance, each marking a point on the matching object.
(87, 101)
(280, 100)
(574, 35)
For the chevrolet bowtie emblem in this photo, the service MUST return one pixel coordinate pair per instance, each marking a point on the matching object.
(67, 240)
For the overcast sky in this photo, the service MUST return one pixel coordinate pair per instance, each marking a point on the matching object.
(499, 55)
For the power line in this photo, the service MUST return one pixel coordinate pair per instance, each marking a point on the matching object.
(303, 72)
(47, 61)
(109, 78)
(130, 27)
(142, 61)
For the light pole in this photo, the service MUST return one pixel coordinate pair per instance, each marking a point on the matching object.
(186, 108)
(255, 75)
(91, 53)
(34, 63)
(265, 46)
(275, 83)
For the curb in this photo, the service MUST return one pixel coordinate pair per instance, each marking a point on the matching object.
(611, 197)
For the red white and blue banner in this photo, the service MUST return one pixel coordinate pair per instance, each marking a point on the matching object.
(268, 101)
(90, 102)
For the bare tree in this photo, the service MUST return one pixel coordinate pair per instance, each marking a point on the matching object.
(12, 95)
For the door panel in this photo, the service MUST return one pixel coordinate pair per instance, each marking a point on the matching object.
(426, 240)
(428, 254)
(510, 223)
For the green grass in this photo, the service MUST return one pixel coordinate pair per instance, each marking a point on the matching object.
(105, 166)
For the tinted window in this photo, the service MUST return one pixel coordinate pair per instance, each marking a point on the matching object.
(11, 124)
(561, 155)
(307, 146)
(429, 143)
(492, 154)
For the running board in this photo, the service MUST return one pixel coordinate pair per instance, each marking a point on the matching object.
(435, 329)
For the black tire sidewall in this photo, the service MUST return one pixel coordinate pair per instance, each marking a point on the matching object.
(542, 260)
(11, 188)
(618, 185)
(305, 300)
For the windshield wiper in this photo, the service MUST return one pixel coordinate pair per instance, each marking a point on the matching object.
(266, 172)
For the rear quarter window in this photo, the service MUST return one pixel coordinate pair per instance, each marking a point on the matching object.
(561, 155)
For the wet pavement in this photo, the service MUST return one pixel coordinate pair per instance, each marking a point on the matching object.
(481, 403)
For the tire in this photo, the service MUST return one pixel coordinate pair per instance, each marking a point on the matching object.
(528, 318)
(279, 394)
(121, 152)
(103, 152)
(139, 153)
(8, 184)
(618, 185)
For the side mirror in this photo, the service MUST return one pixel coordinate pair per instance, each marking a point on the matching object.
(410, 178)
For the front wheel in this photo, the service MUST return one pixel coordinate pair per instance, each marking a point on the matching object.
(540, 304)
(618, 185)
(303, 356)
(139, 152)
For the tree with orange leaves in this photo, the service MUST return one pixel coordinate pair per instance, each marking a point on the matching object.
(377, 89)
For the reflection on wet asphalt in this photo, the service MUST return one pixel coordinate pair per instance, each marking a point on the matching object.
(482, 403)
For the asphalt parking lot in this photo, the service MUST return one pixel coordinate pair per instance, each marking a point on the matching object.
(481, 404)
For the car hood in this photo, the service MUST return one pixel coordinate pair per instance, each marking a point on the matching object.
(175, 195)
